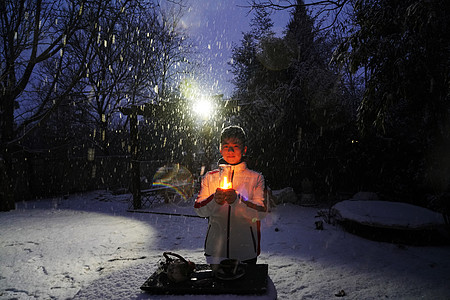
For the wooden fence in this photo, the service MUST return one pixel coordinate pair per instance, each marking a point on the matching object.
(44, 177)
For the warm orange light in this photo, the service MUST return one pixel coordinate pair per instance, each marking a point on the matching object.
(226, 185)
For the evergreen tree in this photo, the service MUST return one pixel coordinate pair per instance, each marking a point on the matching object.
(290, 99)
(403, 46)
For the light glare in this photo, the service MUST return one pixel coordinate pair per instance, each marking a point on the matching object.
(203, 108)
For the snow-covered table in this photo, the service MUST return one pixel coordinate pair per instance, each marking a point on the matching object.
(391, 221)
(388, 214)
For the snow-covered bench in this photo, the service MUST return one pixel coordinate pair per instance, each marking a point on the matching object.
(161, 192)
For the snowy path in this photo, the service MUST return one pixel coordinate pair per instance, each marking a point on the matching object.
(89, 247)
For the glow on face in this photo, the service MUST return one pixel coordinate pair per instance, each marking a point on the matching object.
(232, 151)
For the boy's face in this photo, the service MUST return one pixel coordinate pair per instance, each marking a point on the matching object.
(232, 151)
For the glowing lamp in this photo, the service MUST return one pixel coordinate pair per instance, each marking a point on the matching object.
(226, 184)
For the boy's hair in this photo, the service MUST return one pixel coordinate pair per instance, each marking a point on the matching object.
(233, 132)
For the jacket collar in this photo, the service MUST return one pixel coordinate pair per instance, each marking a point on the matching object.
(237, 167)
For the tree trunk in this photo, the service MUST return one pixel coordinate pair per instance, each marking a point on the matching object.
(6, 134)
(6, 187)
(135, 164)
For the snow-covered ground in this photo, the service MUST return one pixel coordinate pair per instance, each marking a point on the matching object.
(89, 247)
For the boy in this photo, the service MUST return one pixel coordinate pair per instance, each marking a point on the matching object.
(234, 213)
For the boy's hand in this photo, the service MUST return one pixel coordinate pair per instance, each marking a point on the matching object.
(230, 196)
(219, 196)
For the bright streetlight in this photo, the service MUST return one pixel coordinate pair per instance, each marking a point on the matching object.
(203, 107)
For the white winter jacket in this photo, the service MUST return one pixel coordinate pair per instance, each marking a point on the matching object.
(234, 231)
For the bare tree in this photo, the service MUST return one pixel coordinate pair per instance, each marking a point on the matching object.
(323, 9)
(123, 53)
(34, 33)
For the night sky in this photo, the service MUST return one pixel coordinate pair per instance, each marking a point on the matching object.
(214, 26)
